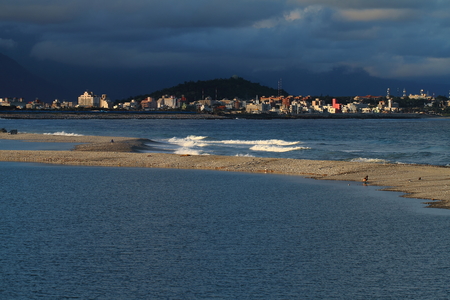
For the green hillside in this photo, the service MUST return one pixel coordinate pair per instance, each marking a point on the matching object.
(225, 88)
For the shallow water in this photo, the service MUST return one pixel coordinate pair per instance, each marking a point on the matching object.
(119, 233)
(23, 145)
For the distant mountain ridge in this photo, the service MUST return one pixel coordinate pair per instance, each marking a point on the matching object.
(216, 88)
(17, 81)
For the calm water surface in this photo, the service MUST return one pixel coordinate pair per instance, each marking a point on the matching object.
(119, 233)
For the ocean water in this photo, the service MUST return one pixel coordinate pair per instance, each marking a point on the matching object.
(119, 233)
(424, 141)
(131, 233)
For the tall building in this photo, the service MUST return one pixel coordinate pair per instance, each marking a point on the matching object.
(88, 99)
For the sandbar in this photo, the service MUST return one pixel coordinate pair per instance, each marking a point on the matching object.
(416, 181)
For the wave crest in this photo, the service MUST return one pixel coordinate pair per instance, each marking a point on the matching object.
(191, 144)
(268, 148)
(64, 133)
(256, 142)
(196, 137)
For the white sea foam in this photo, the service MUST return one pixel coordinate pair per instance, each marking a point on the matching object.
(189, 151)
(256, 142)
(274, 148)
(64, 133)
(369, 160)
(244, 155)
(189, 145)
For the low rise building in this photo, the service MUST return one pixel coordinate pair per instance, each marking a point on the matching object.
(36, 104)
(149, 104)
(105, 102)
(16, 102)
(56, 104)
(166, 102)
(132, 105)
(255, 108)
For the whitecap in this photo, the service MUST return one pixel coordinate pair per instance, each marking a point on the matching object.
(369, 160)
(64, 133)
(268, 148)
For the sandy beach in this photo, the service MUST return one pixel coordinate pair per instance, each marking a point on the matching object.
(416, 181)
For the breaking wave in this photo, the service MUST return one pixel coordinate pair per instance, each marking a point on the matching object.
(200, 145)
(257, 142)
(190, 141)
(64, 133)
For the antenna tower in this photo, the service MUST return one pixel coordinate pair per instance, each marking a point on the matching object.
(280, 86)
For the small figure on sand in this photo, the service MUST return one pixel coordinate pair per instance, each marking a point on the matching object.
(112, 141)
(366, 179)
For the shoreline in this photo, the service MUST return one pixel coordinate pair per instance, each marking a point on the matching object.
(416, 181)
(192, 115)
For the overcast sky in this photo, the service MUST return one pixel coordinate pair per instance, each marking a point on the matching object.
(204, 39)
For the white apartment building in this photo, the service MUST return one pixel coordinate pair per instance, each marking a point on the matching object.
(89, 99)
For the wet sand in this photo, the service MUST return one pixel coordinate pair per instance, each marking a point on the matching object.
(416, 181)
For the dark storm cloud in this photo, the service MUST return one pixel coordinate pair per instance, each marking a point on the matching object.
(390, 39)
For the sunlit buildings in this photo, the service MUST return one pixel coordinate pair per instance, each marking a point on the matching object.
(149, 104)
(90, 100)
(168, 102)
(17, 102)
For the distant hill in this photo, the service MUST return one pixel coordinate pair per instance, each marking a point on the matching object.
(16, 81)
(224, 88)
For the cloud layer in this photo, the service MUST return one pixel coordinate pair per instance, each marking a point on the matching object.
(387, 39)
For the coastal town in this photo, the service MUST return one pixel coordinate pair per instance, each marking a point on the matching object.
(258, 105)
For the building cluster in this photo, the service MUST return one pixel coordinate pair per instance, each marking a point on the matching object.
(273, 104)
(258, 105)
(165, 102)
(20, 103)
(301, 105)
